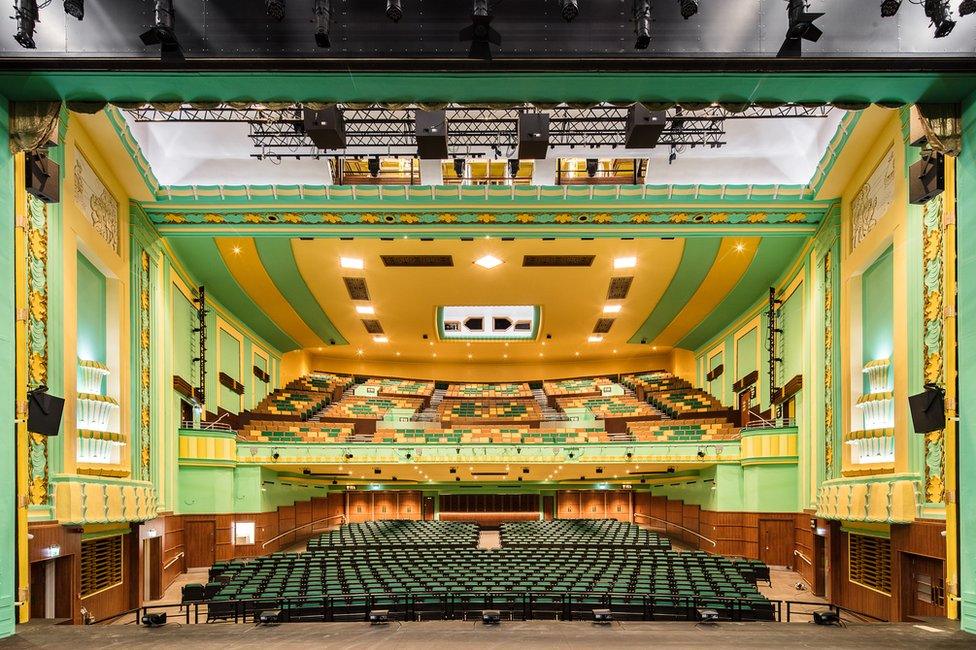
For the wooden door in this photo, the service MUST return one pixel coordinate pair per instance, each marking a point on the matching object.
(428, 507)
(776, 542)
(924, 591)
(154, 551)
(200, 540)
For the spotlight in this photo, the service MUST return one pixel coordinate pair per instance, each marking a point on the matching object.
(801, 28)
(513, 167)
(275, 456)
(275, 9)
(75, 8)
(602, 616)
(826, 617)
(491, 617)
(459, 167)
(889, 8)
(941, 16)
(480, 33)
(373, 164)
(154, 620)
(688, 8)
(269, 617)
(642, 24)
(25, 13)
(379, 616)
(705, 615)
(569, 9)
(967, 7)
(453, 470)
(592, 167)
(671, 470)
(393, 10)
(525, 470)
(307, 471)
(322, 10)
(163, 31)
(377, 470)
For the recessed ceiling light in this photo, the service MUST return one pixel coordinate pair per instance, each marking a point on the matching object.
(576, 353)
(739, 247)
(595, 338)
(237, 250)
(365, 309)
(360, 351)
(612, 309)
(471, 356)
(624, 262)
(351, 263)
(398, 353)
(488, 261)
(380, 338)
(504, 356)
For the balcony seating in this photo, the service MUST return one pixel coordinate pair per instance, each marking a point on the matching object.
(652, 382)
(489, 412)
(488, 391)
(708, 430)
(491, 435)
(290, 432)
(321, 382)
(685, 402)
(290, 404)
(577, 387)
(402, 387)
(619, 406)
(369, 408)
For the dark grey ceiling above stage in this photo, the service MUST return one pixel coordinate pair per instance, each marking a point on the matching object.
(530, 29)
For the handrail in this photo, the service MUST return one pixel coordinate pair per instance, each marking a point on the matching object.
(216, 425)
(173, 561)
(311, 523)
(668, 523)
(802, 557)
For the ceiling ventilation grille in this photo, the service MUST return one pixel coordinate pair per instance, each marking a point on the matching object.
(619, 288)
(557, 260)
(356, 288)
(372, 326)
(603, 325)
(417, 260)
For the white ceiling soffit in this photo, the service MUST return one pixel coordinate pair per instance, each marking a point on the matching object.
(758, 151)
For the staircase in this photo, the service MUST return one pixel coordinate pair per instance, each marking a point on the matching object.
(549, 414)
(430, 414)
(317, 416)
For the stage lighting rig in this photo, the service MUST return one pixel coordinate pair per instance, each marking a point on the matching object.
(25, 13)
(394, 10)
(940, 14)
(967, 7)
(163, 31)
(569, 9)
(322, 9)
(75, 8)
(642, 24)
(688, 8)
(480, 32)
(275, 9)
(889, 8)
(801, 28)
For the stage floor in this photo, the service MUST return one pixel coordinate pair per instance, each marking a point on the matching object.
(456, 634)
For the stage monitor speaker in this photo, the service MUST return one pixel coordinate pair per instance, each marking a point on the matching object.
(926, 178)
(431, 129)
(42, 177)
(533, 136)
(928, 409)
(644, 127)
(44, 412)
(325, 128)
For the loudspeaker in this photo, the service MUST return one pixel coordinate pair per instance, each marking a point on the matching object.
(42, 177)
(926, 178)
(43, 412)
(826, 617)
(644, 127)
(928, 409)
(325, 128)
(431, 129)
(156, 619)
(533, 136)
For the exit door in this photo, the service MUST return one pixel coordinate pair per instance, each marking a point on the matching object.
(776, 542)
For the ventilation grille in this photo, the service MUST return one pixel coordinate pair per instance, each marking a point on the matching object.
(557, 260)
(372, 326)
(870, 562)
(101, 564)
(603, 325)
(417, 260)
(356, 288)
(619, 288)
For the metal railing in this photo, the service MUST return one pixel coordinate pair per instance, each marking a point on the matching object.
(216, 425)
(678, 526)
(341, 519)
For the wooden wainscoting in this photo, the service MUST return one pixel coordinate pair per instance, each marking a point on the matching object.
(595, 504)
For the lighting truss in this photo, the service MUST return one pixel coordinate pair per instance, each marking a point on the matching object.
(276, 133)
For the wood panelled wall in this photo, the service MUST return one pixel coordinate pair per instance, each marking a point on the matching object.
(595, 504)
(373, 505)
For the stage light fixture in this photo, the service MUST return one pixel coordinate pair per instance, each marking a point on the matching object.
(275, 9)
(967, 7)
(592, 167)
(393, 10)
(269, 617)
(642, 24)
(940, 14)
(688, 8)
(459, 167)
(75, 8)
(322, 10)
(373, 165)
(602, 616)
(154, 620)
(379, 616)
(706, 615)
(569, 9)
(25, 13)
(889, 8)
(801, 28)
(480, 32)
(513, 167)
(491, 617)
(163, 31)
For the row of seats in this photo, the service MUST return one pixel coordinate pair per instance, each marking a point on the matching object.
(652, 382)
(618, 406)
(679, 402)
(488, 391)
(491, 435)
(370, 408)
(402, 387)
(566, 387)
(397, 533)
(706, 430)
(322, 382)
(580, 532)
(292, 403)
(292, 432)
(515, 410)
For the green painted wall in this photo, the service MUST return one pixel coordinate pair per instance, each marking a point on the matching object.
(878, 312)
(8, 447)
(745, 355)
(791, 321)
(92, 289)
(206, 489)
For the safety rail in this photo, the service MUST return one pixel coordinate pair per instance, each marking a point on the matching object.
(173, 561)
(522, 605)
(802, 557)
(216, 425)
(680, 527)
(342, 519)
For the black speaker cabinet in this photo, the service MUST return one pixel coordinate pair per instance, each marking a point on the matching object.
(43, 177)
(926, 178)
(533, 136)
(431, 134)
(44, 412)
(325, 128)
(644, 127)
(928, 409)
